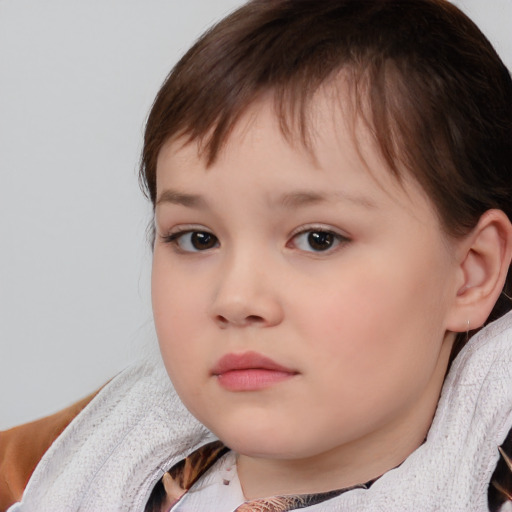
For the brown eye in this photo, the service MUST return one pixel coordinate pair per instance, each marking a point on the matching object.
(193, 241)
(321, 240)
(318, 240)
(202, 240)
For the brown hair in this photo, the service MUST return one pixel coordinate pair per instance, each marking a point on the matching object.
(439, 98)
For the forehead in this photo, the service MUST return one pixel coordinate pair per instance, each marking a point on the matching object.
(335, 137)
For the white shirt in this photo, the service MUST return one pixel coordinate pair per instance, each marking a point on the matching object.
(218, 489)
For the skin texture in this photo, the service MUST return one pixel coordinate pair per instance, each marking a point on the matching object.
(363, 327)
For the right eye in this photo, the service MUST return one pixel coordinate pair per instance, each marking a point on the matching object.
(193, 241)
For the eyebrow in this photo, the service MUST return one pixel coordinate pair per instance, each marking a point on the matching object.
(180, 198)
(305, 198)
(289, 200)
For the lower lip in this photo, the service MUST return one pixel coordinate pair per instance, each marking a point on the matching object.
(252, 379)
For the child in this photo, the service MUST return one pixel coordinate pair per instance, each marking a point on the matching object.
(332, 186)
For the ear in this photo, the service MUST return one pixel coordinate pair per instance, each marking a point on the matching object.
(484, 258)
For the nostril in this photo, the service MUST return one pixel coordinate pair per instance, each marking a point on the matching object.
(222, 321)
(253, 319)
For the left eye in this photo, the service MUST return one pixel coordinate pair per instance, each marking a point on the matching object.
(316, 240)
(194, 241)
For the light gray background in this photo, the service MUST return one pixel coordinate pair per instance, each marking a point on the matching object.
(77, 78)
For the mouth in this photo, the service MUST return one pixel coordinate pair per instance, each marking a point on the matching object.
(249, 371)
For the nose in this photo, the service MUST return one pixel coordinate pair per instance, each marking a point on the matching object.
(247, 294)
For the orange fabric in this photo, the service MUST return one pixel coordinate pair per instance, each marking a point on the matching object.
(22, 447)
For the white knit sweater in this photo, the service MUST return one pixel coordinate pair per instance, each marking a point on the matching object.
(113, 453)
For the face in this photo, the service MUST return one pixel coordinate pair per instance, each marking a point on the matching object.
(300, 297)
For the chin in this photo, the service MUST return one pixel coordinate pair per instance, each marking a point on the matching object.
(262, 445)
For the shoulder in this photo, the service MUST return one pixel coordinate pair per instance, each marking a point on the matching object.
(22, 447)
(112, 453)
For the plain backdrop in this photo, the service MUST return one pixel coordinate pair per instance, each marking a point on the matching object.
(77, 78)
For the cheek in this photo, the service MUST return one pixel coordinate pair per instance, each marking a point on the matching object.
(176, 298)
(358, 326)
(174, 304)
(348, 313)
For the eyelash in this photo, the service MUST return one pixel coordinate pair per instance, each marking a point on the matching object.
(174, 240)
(333, 239)
(336, 238)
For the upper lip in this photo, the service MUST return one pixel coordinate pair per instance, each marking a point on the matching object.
(247, 361)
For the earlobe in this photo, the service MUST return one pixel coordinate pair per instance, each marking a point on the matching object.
(485, 260)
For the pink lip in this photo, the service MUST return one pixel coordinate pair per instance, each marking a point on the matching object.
(249, 371)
